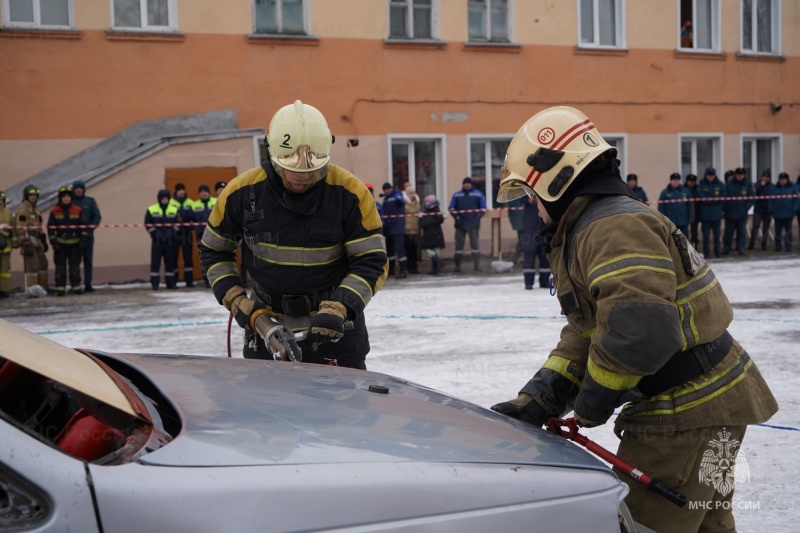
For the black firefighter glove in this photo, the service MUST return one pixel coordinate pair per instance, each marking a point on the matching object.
(524, 407)
(27, 249)
(45, 248)
(240, 306)
(588, 415)
(327, 324)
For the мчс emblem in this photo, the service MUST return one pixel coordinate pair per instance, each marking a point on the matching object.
(724, 464)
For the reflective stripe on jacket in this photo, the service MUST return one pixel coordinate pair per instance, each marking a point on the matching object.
(632, 300)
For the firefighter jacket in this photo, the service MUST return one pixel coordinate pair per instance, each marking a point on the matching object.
(737, 209)
(67, 215)
(202, 209)
(674, 204)
(324, 244)
(28, 226)
(165, 220)
(710, 210)
(5, 230)
(635, 294)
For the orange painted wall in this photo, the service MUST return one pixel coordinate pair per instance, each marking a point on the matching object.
(92, 87)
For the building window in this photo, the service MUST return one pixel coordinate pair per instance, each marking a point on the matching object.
(154, 15)
(485, 161)
(760, 26)
(412, 19)
(38, 13)
(700, 152)
(601, 23)
(418, 162)
(759, 153)
(280, 16)
(699, 25)
(488, 20)
(619, 141)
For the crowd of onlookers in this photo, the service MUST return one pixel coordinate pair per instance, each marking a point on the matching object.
(713, 213)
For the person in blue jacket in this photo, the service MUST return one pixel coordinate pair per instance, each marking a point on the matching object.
(674, 203)
(92, 213)
(467, 207)
(709, 210)
(736, 211)
(762, 210)
(185, 243)
(784, 208)
(533, 247)
(394, 229)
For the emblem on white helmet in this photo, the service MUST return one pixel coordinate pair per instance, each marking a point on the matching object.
(548, 152)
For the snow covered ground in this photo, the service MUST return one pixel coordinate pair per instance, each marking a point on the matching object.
(479, 338)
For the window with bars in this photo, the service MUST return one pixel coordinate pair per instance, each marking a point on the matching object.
(601, 23)
(699, 28)
(38, 13)
(143, 14)
(760, 26)
(280, 16)
(411, 19)
(488, 20)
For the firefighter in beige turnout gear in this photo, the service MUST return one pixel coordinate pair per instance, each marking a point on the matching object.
(30, 237)
(5, 247)
(646, 323)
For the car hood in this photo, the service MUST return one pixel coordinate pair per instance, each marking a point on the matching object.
(237, 412)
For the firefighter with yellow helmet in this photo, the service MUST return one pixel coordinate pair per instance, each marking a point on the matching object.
(30, 235)
(316, 254)
(646, 324)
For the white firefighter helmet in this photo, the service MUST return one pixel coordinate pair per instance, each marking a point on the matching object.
(299, 138)
(548, 152)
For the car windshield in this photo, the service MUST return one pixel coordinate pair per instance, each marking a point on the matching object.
(71, 400)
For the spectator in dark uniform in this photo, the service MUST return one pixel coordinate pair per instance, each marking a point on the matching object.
(674, 204)
(710, 210)
(736, 211)
(691, 184)
(533, 247)
(784, 210)
(467, 207)
(516, 217)
(762, 210)
(638, 192)
(67, 241)
(185, 242)
(92, 215)
(161, 223)
(202, 209)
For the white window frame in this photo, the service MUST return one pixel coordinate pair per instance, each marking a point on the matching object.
(441, 161)
(776, 29)
(716, 24)
(172, 13)
(410, 20)
(619, 11)
(777, 152)
(279, 5)
(718, 140)
(487, 34)
(623, 157)
(486, 138)
(37, 17)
